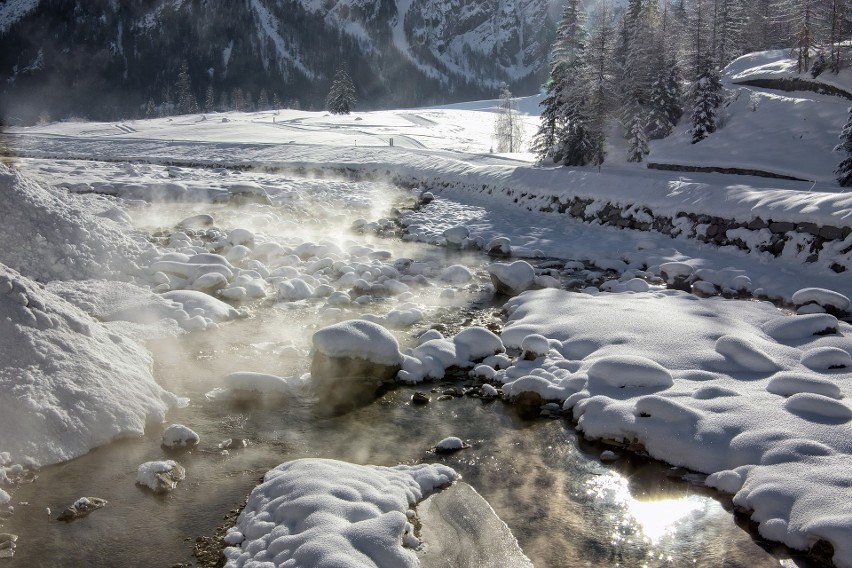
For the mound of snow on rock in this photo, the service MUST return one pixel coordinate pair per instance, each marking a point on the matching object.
(68, 384)
(49, 234)
(316, 512)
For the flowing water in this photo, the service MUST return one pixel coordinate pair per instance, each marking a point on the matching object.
(565, 507)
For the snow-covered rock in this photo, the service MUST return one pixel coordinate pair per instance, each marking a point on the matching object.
(315, 512)
(512, 279)
(178, 436)
(68, 383)
(160, 476)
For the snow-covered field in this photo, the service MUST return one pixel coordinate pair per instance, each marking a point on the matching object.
(752, 396)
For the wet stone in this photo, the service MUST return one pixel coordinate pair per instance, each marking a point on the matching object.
(444, 397)
(419, 398)
(80, 508)
(233, 444)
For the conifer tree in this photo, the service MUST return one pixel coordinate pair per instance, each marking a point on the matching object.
(844, 169)
(263, 100)
(341, 97)
(666, 108)
(600, 83)
(565, 89)
(707, 97)
(187, 103)
(638, 141)
(209, 99)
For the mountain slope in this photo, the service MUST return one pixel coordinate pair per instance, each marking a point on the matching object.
(58, 56)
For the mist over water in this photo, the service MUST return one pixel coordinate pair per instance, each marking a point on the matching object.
(565, 507)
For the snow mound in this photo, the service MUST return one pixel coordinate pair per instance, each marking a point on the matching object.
(476, 343)
(48, 234)
(264, 383)
(818, 408)
(743, 353)
(456, 274)
(68, 383)
(628, 371)
(314, 512)
(517, 276)
(826, 358)
(197, 304)
(450, 444)
(791, 328)
(822, 297)
(358, 339)
(179, 436)
(788, 384)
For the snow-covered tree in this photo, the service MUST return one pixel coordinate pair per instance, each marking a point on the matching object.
(508, 127)
(600, 82)
(341, 97)
(728, 26)
(576, 145)
(666, 108)
(637, 140)
(187, 103)
(263, 100)
(844, 169)
(565, 89)
(706, 99)
(209, 99)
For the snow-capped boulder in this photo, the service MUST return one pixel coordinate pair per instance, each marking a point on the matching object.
(178, 436)
(160, 476)
(512, 279)
(352, 360)
(822, 297)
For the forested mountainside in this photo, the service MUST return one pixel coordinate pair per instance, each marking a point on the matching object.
(104, 59)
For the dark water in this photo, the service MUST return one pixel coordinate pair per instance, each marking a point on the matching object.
(565, 507)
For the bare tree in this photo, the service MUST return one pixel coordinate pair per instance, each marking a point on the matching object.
(508, 127)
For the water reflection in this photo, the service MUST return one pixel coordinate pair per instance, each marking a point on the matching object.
(653, 519)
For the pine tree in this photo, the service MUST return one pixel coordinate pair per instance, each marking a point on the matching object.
(666, 108)
(187, 103)
(707, 97)
(209, 99)
(638, 142)
(576, 145)
(263, 100)
(508, 127)
(276, 102)
(844, 169)
(341, 97)
(565, 88)
(150, 109)
(600, 83)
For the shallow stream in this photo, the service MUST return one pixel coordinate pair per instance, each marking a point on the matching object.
(565, 506)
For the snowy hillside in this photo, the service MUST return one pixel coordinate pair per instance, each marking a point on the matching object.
(789, 133)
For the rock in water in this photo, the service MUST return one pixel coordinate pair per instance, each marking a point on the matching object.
(351, 363)
(160, 476)
(80, 508)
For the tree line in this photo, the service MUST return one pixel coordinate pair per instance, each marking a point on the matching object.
(646, 66)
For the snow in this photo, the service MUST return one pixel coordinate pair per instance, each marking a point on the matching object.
(450, 444)
(822, 297)
(708, 384)
(753, 396)
(518, 275)
(316, 512)
(358, 339)
(148, 472)
(68, 383)
(179, 436)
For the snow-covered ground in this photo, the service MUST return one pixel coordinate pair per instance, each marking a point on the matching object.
(754, 397)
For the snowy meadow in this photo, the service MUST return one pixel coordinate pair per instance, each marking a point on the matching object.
(518, 344)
